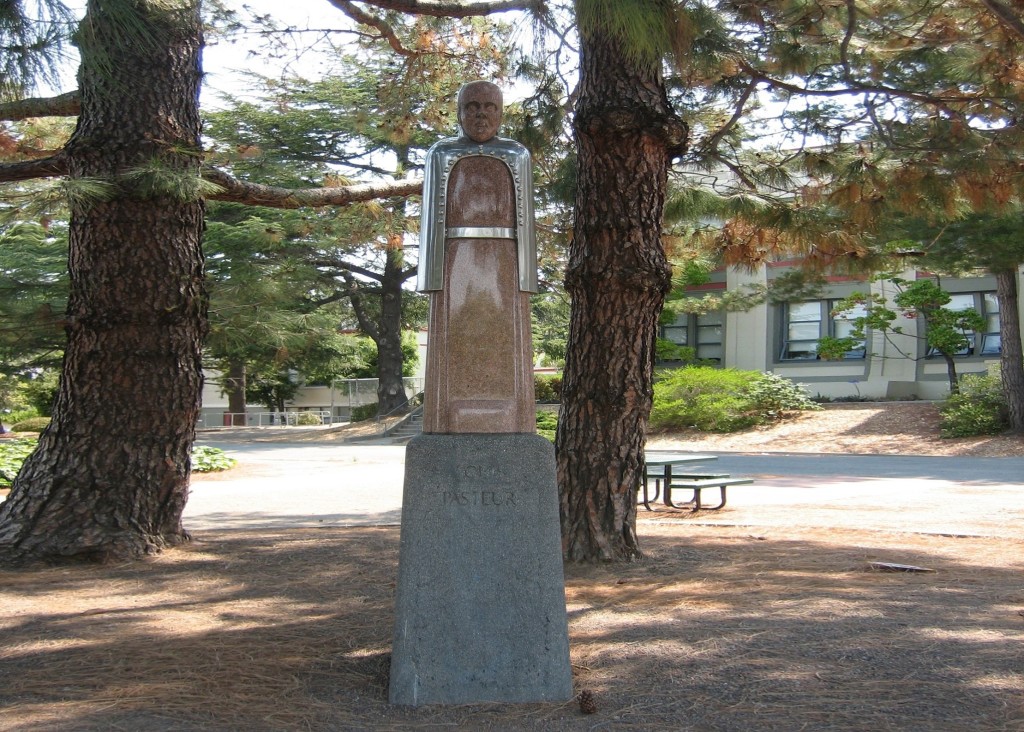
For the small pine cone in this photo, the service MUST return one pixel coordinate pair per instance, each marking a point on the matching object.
(588, 705)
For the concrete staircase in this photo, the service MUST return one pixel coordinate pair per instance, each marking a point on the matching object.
(408, 428)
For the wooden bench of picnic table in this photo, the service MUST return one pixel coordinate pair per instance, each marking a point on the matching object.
(695, 483)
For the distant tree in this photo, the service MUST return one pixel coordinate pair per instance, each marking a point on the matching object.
(33, 295)
(991, 242)
(946, 331)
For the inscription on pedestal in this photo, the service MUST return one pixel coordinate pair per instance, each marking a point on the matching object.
(479, 498)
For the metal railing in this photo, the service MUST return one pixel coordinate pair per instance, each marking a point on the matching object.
(268, 419)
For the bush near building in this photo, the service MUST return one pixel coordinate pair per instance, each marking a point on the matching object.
(723, 400)
(977, 408)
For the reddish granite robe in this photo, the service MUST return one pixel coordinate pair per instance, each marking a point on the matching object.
(479, 375)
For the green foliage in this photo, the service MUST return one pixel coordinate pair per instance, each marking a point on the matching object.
(32, 36)
(773, 395)
(12, 455)
(20, 415)
(155, 180)
(978, 408)
(703, 398)
(945, 330)
(14, 451)
(642, 28)
(32, 424)
(547, 389)
(33, 294)
(550, 318)
(210, 459)
(308, 419)
(363, 412)
(356, 358)
(40, 390)
(723, 400)
(547, 423)
(666, 350)
(796, 284)
(831, 348)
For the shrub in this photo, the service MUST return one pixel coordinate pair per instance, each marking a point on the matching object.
(773, 395)
(979, 408)
(703, 398)
(723, 400)
(308, 419)
(547, 423)
(32, 424)
(20, 415)
(547, 389)
(12, 455)
(210, 459)
(364, 412)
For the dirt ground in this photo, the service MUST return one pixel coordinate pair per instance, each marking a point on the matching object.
(871, 428)
(720, 627)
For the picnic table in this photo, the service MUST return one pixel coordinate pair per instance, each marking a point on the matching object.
(666, 469)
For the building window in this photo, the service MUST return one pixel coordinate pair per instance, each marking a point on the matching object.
(805, 323)
(702, 333)
(978, 344)
(991, 345)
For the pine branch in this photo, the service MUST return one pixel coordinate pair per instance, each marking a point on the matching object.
(740, 107)
(65, 105)
(366, 323)
(455, 8)
(51, 167)
(855, 87)
(344, 266)
(387, 32)
(1010, 18)
(237, 191)
(256, 194)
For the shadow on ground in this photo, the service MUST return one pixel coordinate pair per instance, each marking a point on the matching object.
(717, 629)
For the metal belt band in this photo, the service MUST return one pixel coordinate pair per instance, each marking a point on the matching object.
(479, 232)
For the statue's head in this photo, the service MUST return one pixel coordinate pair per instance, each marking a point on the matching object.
(480, 108)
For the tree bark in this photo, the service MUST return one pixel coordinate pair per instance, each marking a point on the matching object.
(391, 394)
(63, 105)
(617, 276)
(1011, 358)
(234, 386)
(951, 376)
(109, 479)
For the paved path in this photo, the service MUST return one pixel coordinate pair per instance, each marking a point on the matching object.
(327, 484)
(284, 484)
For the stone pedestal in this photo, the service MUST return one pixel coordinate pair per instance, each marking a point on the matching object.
(480, 604)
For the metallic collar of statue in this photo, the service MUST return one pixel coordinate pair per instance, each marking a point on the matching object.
(441, 158)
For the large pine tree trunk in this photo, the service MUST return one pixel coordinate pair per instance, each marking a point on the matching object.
(110, 477)
(1011, 359)
(618, 277)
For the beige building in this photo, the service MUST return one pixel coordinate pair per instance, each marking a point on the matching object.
(782, 337)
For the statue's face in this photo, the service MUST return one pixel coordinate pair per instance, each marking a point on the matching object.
(480, 111)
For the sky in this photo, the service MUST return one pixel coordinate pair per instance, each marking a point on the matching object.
(224, 63)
